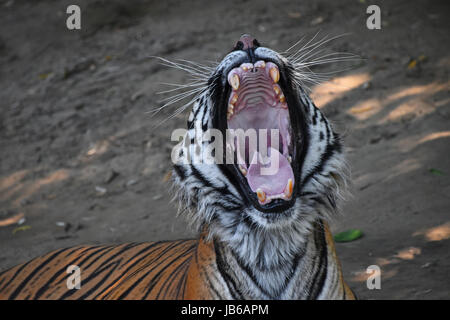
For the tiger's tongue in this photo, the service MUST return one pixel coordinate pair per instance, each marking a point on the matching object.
(271, 175)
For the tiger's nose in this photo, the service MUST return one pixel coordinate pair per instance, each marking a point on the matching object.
(246, 42)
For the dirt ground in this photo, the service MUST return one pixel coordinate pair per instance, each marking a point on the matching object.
(82, 161)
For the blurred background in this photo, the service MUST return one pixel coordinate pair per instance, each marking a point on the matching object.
(82, 162)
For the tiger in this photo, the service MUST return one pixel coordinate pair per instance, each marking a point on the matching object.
(260, 236)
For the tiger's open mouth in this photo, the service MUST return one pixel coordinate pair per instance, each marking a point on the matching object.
(256, 101)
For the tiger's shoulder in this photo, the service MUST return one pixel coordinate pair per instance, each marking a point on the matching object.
(153, 270)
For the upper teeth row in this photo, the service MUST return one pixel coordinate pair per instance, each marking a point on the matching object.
(234, 82)
(271, 68)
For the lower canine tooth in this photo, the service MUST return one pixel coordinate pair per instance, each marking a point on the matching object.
(282, 98)
(289, 189)
(243, 170)
(261, 195)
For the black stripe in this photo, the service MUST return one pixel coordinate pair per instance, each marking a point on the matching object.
(110, 248)
(180, 171)
(102, 248)
(221, 265)
(182, 284)
(136, 282)
(321, 274)
(95, 273)
(44, 288)
(203, 119)
(200, 177)
(249, 272)
(152, 245)
(181, 267)
(33, 273)
(295, 264)
(211, 285)
(158, 275)
(314, 118)
(99, 283)
(328, 132)
(329, 151)
(15, 274)
(112, 267)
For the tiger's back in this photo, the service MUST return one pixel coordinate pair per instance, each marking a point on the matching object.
(155, 270)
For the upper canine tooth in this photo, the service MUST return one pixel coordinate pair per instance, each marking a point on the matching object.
(282, 98)
(243, 170)
(274, 74)
(234, 81)
(261, 195)
(289, 189)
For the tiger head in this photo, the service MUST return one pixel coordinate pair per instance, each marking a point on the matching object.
(254, 87)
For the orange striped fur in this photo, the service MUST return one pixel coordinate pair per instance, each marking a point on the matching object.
(155, 270)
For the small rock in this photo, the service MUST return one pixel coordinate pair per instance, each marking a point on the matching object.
(367, 85)
(375, 140)
(294, 15)
(317, 21)
(110, 176)
(100, 190)
(24, 202)
(157, 197)
(131, 182)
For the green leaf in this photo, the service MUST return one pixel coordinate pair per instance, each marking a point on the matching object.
(349, 235)
(436, 172)
(21, 228)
